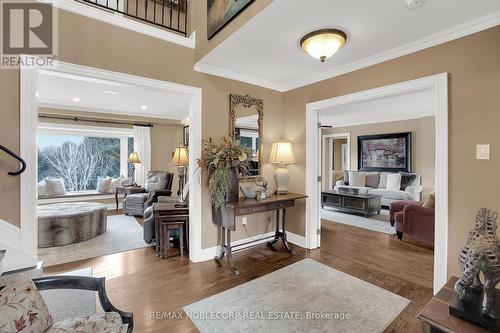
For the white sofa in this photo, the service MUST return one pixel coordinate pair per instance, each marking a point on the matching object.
(411, 192)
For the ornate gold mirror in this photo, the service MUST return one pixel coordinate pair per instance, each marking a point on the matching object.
(245, 124)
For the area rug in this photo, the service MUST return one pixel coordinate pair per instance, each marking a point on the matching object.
(123, 234)
(379, 223)
(69, 303)
(304, 297)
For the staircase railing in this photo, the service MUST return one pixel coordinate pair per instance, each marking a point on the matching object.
(11, 153)
(168, 14)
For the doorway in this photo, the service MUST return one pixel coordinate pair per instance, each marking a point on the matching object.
(29, 78)
(336, 158)
(438, 85)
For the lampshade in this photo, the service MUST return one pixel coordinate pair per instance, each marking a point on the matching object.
(134, 158)
(324, 43)
(180, 157)
(282, 153)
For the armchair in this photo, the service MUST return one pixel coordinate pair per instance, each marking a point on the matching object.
(138, 199)
(411, 218)
(86, 283)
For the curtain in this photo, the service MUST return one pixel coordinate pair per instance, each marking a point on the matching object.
(142, 145)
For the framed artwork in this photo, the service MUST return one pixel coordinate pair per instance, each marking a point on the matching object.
(221, 12)
(385, 152)
(185, 135)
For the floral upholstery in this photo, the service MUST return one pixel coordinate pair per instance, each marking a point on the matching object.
(109, 322)
(22, 309)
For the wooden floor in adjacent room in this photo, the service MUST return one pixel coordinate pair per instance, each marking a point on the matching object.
(140, 282)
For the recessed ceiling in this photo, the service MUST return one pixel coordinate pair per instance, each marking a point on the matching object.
(266, 51)
(73, 92)
(411, 105)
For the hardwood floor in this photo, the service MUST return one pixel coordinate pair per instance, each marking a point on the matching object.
(140, 282)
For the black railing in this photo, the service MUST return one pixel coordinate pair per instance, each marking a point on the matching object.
(169, 14)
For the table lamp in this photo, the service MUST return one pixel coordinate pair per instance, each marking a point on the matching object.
(133, 159)
(282, 154)
(181, 160)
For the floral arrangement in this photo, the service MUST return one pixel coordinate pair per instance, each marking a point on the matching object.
(219, 158)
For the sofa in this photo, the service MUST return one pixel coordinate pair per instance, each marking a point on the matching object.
(413, 219)
(376, 183)
(138, 199)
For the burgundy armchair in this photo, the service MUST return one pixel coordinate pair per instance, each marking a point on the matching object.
(410, 218)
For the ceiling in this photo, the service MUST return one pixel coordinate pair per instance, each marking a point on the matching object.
(59, 90)
(412, 105)
(266, 51)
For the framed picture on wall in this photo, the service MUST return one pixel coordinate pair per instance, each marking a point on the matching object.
(185, 135)
(385, 152)
(221, 12)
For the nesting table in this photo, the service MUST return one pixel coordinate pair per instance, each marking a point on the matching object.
(169, 218)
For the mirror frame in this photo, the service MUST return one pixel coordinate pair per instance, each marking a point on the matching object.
(247, 101)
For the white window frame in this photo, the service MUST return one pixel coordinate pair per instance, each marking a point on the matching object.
(93, 131)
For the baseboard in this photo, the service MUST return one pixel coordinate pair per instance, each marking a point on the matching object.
(10, 235)
(296, 239)
(211, 252)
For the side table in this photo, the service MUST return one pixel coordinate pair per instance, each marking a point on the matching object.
(121, 190)
(167, 218)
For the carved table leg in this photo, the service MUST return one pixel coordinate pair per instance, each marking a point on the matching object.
(277, 233)
(283, 237)
(222, 251)
(230, 255)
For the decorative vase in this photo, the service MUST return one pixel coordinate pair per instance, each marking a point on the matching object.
(233, 188)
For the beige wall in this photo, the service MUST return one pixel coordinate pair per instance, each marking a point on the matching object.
(337, 154)
(422, 149)
(473, 64)
(199, 24)
(92, 43)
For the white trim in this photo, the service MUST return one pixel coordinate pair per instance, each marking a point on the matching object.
(296, 239)
(124, 22)
(84, 130)
(29, 118)
(330, 137)
(462, 30)
(211, 252)
(222, 72)
(439, 83)
(11, 235)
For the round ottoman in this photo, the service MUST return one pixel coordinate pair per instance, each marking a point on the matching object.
(72, 222)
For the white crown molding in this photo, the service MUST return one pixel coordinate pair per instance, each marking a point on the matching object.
(10, 235)
(221, 72)
(124, 22)
(462, 30)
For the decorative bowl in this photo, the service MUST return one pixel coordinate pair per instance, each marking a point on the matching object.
(249, 190)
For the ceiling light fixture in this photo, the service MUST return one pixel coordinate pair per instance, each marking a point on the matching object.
(76, 99)
(110, 92)
(324, 43)
(144, 107)
(414, 4)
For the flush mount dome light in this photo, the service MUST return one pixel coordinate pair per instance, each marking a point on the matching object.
(324, 43)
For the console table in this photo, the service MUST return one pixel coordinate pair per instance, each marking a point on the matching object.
(225, 218)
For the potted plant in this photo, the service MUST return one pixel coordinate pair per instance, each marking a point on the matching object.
(223, 160)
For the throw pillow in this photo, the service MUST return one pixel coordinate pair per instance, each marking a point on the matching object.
(42, 189)
(114, 183)
(407, 179)
(126, 181)
(346, 177)
(109, 322)
(372, 179)
(103, 185)
(55, 186)
(382, 184)
(430, 202)
(393, 181)
(357, 178)
(22, 308)
(155, 180)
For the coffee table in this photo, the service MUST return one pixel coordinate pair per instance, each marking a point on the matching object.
(366, 204)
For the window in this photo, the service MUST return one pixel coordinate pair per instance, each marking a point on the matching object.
(80, 156)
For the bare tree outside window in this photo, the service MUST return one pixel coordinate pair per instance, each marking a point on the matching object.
(80, 164)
